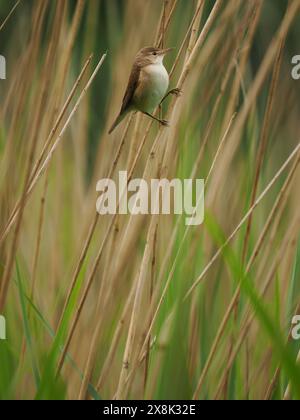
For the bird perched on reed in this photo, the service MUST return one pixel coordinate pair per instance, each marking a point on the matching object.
(147, 86)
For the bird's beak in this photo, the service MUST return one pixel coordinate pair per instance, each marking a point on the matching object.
(165, 51)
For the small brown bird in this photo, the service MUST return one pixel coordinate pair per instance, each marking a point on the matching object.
(147, 86)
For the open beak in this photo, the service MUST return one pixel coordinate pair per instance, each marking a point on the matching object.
(165, 51)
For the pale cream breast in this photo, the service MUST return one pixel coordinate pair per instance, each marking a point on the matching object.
(153, 85)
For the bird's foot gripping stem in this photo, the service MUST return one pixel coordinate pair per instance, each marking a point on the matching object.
(164, 123)
(177, 92)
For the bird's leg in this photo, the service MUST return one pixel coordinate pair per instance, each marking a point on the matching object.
(162, 122)
(177, 92)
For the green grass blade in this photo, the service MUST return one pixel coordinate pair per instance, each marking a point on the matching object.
(27, 331)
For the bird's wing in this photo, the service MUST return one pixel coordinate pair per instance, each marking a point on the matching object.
(132, 85)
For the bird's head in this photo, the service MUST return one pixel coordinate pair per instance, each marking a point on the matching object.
(151, 55)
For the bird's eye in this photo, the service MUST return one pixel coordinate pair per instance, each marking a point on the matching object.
(154, 53)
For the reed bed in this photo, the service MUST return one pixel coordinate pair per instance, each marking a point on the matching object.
(145, 307)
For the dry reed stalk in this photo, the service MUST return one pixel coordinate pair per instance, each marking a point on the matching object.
(29, 64)
(272, 386)
(105, 272)
(101, 308)
(250, 317)
(35, 262)
(152, 280)
(248, 323)
(39, 237)
(93, 271)
(186, 70)
(207, 51)
(127, 358)
(164, 23)
(278, 208)
(273, 213)
(89, 364)
(265, 66)
(261, 371)
(200, 40)
(38, 163)
(9, 15)
(288, 391)
(12, 88)
(203, 80)
(267, 62)
(11, 256)
(63, 70)
(195, 28)
(259, 163)
(138, 360)
(38, 176)
(187, 67)
(152, 154)
(11, 168)
(36, 259)
(89, 44)
(154, 312)
(91, 276)
(251, 261)
(134, 143)
(191, 32)
(116, 339)
(162, 31)
(41, 93)
(91, 233)
(70, 41)
(152, 318)
(199, 158)
(264, 140)
(254, 12)
(159, 37)
(94, 223)
(83, 256)
(212, 119)
(97, 261)
(162, 26)
(123, 372)
(93, 348)
(268, 251)
(10, 159)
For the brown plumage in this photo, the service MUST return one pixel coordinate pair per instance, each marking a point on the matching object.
(147, 85)
(131, 87)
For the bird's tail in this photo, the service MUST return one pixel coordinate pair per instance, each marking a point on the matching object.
(117, 121)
